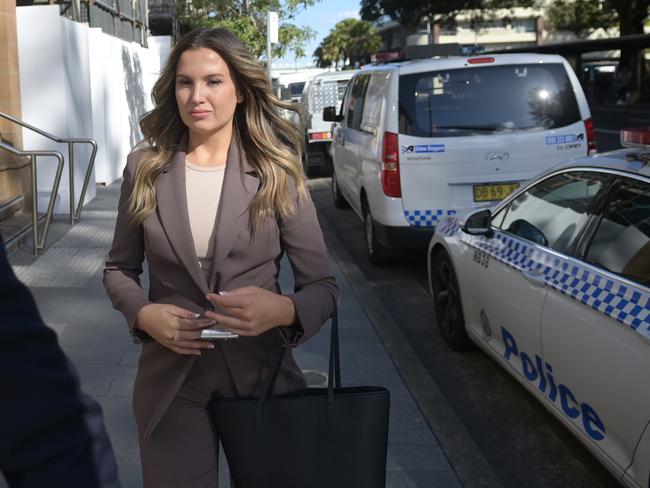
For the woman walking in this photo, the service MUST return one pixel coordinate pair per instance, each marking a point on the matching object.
(213, 201)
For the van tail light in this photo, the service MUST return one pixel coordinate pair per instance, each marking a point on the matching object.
(317, 136)
(591, 137)
(390, 166)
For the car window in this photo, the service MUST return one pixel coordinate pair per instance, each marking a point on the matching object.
(373, 104)
(552, 212)
(355, 104)
(486, 100)
(344, 101)
(296, 88)
(621, 242)
(497, 218)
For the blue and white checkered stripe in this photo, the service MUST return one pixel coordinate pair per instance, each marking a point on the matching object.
(427, 218)
(627, 304)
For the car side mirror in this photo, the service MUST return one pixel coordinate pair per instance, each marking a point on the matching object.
(330, 115)
(479, 223)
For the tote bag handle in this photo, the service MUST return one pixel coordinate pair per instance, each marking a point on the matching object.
(333, 381)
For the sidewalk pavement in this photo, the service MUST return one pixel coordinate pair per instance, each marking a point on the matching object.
(66, 282)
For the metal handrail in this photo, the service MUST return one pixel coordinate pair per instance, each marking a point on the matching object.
(75, 210)
(38, 244)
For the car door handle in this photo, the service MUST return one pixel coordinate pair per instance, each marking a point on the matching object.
(535, 276)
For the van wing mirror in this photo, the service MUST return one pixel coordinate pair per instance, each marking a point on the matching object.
(479, 223)
(330, 115)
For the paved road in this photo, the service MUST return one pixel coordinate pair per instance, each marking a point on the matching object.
(521, 442)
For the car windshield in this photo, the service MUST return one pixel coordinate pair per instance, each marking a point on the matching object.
(486, 100)
(296, 88)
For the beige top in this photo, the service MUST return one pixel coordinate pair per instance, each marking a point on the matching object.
(203, 188)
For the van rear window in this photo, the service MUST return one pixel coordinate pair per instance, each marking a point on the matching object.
(486, 100)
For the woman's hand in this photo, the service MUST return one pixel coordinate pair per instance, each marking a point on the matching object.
(174, 327)
(252, 310)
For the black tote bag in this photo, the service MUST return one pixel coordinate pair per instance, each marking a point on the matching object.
(310, 438)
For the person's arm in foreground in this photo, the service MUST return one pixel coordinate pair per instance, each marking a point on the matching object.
(51, 434)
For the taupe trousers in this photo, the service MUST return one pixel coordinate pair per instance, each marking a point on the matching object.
(161, 386)
(183, 450)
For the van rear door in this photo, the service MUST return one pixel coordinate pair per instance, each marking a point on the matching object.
(469, 136)
(324, 93)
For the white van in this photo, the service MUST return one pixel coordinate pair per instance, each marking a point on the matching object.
(325, 89)
(420, 140)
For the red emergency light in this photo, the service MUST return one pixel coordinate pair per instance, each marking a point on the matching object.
(482, 60)
(638, 136)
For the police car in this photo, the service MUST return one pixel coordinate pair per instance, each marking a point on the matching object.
(554, 283)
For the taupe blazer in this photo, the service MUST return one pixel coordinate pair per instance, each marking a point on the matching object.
(175, 277)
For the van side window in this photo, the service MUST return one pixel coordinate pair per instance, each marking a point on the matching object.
(355, 104)
(621, 243)
(553, 212)
(373, 102)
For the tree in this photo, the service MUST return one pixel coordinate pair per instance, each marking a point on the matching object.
(585, 16)
(331, 49)
(582, 17)
(321, 61)
(247, 19)
(351, 39)
(411, 12)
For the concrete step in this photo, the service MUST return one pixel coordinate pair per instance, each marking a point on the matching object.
(11, 206)
(15, 228)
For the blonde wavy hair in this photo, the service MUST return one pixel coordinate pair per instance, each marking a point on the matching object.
(272, 144)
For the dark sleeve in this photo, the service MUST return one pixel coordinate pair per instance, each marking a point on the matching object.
(315, 290)
(124, 264)
(49, 431)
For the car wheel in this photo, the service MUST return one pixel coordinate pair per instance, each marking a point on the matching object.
(449, 310)
(377, 253)
(339, 200)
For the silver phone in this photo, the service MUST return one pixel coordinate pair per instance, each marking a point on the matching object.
(215, 334)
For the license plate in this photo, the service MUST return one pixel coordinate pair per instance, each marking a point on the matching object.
(489, 193)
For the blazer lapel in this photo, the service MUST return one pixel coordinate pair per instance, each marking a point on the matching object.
(171, 198)
(239, 187)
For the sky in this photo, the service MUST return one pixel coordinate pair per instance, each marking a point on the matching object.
(321, 17)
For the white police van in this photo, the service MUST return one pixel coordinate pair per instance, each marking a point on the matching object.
(420, 140)
(554, 283)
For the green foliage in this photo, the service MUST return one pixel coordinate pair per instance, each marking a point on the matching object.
(581, 17)
(321, 61)
(247, 19)
(350, 38)
(585, 16)
(411, 12)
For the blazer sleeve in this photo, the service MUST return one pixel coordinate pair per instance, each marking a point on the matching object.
(124, 264)
(315, 289)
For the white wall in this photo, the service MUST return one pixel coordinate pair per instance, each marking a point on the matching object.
(79, 82)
